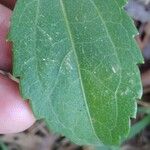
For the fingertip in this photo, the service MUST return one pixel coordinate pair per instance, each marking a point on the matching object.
(5, 14)
(15, 113)
(5, 47)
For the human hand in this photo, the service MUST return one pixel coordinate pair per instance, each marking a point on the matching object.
(15, 113)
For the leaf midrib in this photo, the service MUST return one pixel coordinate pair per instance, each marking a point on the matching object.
(76, 57)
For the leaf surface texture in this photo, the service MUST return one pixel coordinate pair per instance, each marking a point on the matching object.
(77, 63)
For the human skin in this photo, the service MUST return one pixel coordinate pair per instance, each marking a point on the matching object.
(15, 113)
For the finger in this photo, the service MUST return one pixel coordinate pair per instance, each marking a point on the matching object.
(5, 47)
(8, 3)
(15, 114)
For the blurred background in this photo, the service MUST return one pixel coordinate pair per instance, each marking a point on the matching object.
(39, 138)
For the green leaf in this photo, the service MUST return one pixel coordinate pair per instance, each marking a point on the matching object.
(3, 146)
(139, 126)
(145, 110)
(77, 63)
(106, 147)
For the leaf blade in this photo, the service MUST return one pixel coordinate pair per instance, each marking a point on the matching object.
(66, 48)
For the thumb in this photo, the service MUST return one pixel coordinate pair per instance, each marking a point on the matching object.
(15, 113)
